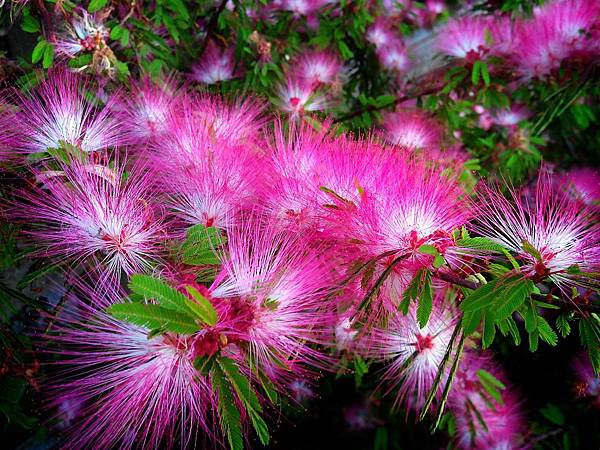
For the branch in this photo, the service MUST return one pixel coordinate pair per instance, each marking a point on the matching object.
(397, 100)
(574, 304)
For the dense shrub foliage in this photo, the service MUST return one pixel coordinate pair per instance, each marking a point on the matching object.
(377, 221)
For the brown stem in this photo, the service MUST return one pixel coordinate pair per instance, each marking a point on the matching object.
(372, 108)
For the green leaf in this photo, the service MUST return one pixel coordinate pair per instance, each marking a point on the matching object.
(48, 56)
(124, 41)
(531, 250)
(486, 377)
(240, 383)
(481, 297)
(381, 439)
(589, 333)
(562, 325)
(471, 320)
(533, 341)
(428, 250)
(155, 289)
(480, 243)
(38, 51)
(30, 24)
(546, 332)
(229, 415)
(153, 317)
(485, 73)
(202, 307)
(412, 291)
(361, 368)
(425, 301)
(475, 73)
(491, 384)
(512, 298)
(553, 414)
(116, 32)
(96, 5)
(438, 261)
(246, 394)
(531, 317)
(201, 244)
(489, 330)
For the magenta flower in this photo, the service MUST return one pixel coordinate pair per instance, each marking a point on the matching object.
(559, 29)
(380, 33)
(149, 106)
(11, 134)
(394, 56)
(282, 282)
(412, 130)
(587, 382)
(203, 125)
(562, 232)
(215, 65)
(312, 170)
(582, 183)
(128, 388)
(466, 37)
(87, 212)
(318, 67)
(216, 187)
(413, 354)
(412, 205)
(296, 97)
(481, 421)
(57, 112)
(509, 117)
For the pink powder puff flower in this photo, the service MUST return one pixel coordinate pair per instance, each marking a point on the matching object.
(380, 33)
(204, 124)
(413, 355)
(129, 388)
(360, 417)
(412, 129)
(88, 212)
(215, 65)
(215, 187)
(394, 56)
(582, 183)
(412, 205)
(301, 390)
(436, 7)
(57, 112)
(11, 134)
(473, 407)
(345, 334)
(571, 19)
(558, 30)
(509, 117)
(304, 7)
(86, 34)
(149, 107)
(318, 67)
(282, 281)
(588, 383)
(562, 232)
(311, 169)
(466, 38)
(296, 97)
